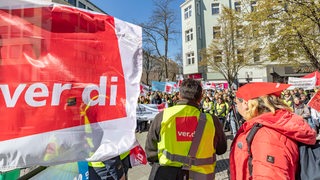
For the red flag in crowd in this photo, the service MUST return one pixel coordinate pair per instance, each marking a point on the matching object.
(168, 88)
(315, 101)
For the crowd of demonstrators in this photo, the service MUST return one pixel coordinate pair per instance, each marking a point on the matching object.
(182, 142)
(298, 99)
(155, 97)
(221, 103)
(142, 125)
(216, 102)
(277, 110)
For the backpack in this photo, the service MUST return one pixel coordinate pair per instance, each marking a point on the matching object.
(309, 157)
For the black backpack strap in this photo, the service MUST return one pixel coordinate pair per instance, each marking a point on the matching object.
(249, 139)
(196, 139)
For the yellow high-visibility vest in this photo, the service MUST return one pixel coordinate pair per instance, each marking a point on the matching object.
(169, 146)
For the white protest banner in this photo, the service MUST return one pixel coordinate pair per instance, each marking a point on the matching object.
(147, 112)
(208, 85)
(69, 82)
(305, 83)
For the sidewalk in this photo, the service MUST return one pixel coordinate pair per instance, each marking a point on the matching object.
(142, 172)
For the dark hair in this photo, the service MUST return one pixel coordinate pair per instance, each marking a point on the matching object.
(191, 89)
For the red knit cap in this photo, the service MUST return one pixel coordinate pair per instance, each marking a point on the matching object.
(257, 89)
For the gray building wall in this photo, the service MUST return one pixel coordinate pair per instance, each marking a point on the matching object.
(85, 4)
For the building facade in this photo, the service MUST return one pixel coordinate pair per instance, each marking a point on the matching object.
(84, 4)
(200, 25)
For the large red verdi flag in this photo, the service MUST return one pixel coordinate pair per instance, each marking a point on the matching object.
(69, 80)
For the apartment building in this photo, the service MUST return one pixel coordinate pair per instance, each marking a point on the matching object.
(200, 26)
(84, 4)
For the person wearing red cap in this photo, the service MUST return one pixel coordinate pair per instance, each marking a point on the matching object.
(274, 150)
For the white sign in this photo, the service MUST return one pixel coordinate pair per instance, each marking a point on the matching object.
(305, 83)
(147, 112)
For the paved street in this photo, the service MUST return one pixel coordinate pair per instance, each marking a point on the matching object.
(142, 172)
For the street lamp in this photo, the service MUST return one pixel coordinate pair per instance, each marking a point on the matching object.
(249, 76)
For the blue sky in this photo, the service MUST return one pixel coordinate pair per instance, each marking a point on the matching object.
(138, 11)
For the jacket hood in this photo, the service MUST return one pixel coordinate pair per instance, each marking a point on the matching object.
(286, 123)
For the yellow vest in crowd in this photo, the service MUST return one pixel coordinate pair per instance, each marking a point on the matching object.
(205, 103)
(219, 108)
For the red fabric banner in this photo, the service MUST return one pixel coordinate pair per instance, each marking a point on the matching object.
(315, 101)
(51, 57)
(69, 83)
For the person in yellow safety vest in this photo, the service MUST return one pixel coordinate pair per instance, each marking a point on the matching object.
(182, 142)
(207, 105)
(221, 109)
(115, 168)
(288, 100)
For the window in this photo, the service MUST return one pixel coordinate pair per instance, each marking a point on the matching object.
(189, 35)
(190, 58)
(240, 56)
(81, 5)
(217, 57)
(253, 5)
(216, 32)
(199, 31)
(198, 8)
(256, 55)
(187, 12)
(215, 8)
(72, 2)
(237, 6)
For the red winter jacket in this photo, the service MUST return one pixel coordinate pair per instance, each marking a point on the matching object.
(274, 148)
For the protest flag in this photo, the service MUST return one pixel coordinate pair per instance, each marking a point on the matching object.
(315, 101)
(315, 74)
(144, 89)
(168, 88)
(54, 60)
